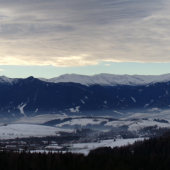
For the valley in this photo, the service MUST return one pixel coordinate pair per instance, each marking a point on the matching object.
(62, 133)
(73, 112)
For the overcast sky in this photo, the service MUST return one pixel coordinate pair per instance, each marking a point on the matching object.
(83, 33)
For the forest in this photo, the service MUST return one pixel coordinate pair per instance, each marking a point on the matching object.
(151, 154)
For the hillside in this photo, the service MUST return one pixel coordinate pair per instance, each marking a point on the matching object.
(32, 96)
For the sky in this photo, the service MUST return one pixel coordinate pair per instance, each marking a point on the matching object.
(48, 38)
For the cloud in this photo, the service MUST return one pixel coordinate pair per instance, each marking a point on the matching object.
(78, 33)
(2, 70)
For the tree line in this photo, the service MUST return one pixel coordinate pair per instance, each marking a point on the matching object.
(152, 154)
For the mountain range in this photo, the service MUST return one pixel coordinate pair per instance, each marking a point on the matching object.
(100, 79)
(75, 94)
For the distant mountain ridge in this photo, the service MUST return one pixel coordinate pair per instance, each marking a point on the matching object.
(101, 79)
(6, 80)
(32, 96)
(110, 79)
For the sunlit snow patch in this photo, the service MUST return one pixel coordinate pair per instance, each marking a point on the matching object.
(118, 112)
(133, 99)
(26, 130)
(21, 108)
(82, 101)
(75, 110)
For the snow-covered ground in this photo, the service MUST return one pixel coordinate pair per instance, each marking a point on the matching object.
(40, 119)
(119, 123)
(133, 125)
(147, 123)
(85, 148)
(136, 125)
(81, 122)
(13, 131)
(152, 113)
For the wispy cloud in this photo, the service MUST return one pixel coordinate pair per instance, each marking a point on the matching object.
(2, 70)
(77, 33)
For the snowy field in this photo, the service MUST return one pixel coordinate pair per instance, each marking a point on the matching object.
(162, 114)
(138, 124)
(40, 119)
(147, 123)
(133, 121)
(82, 122)
(13, 131)
(85, 148)
(133, 125)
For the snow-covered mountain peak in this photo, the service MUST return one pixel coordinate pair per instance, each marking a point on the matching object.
(103, 79)
(4, 79)
(110, 79)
